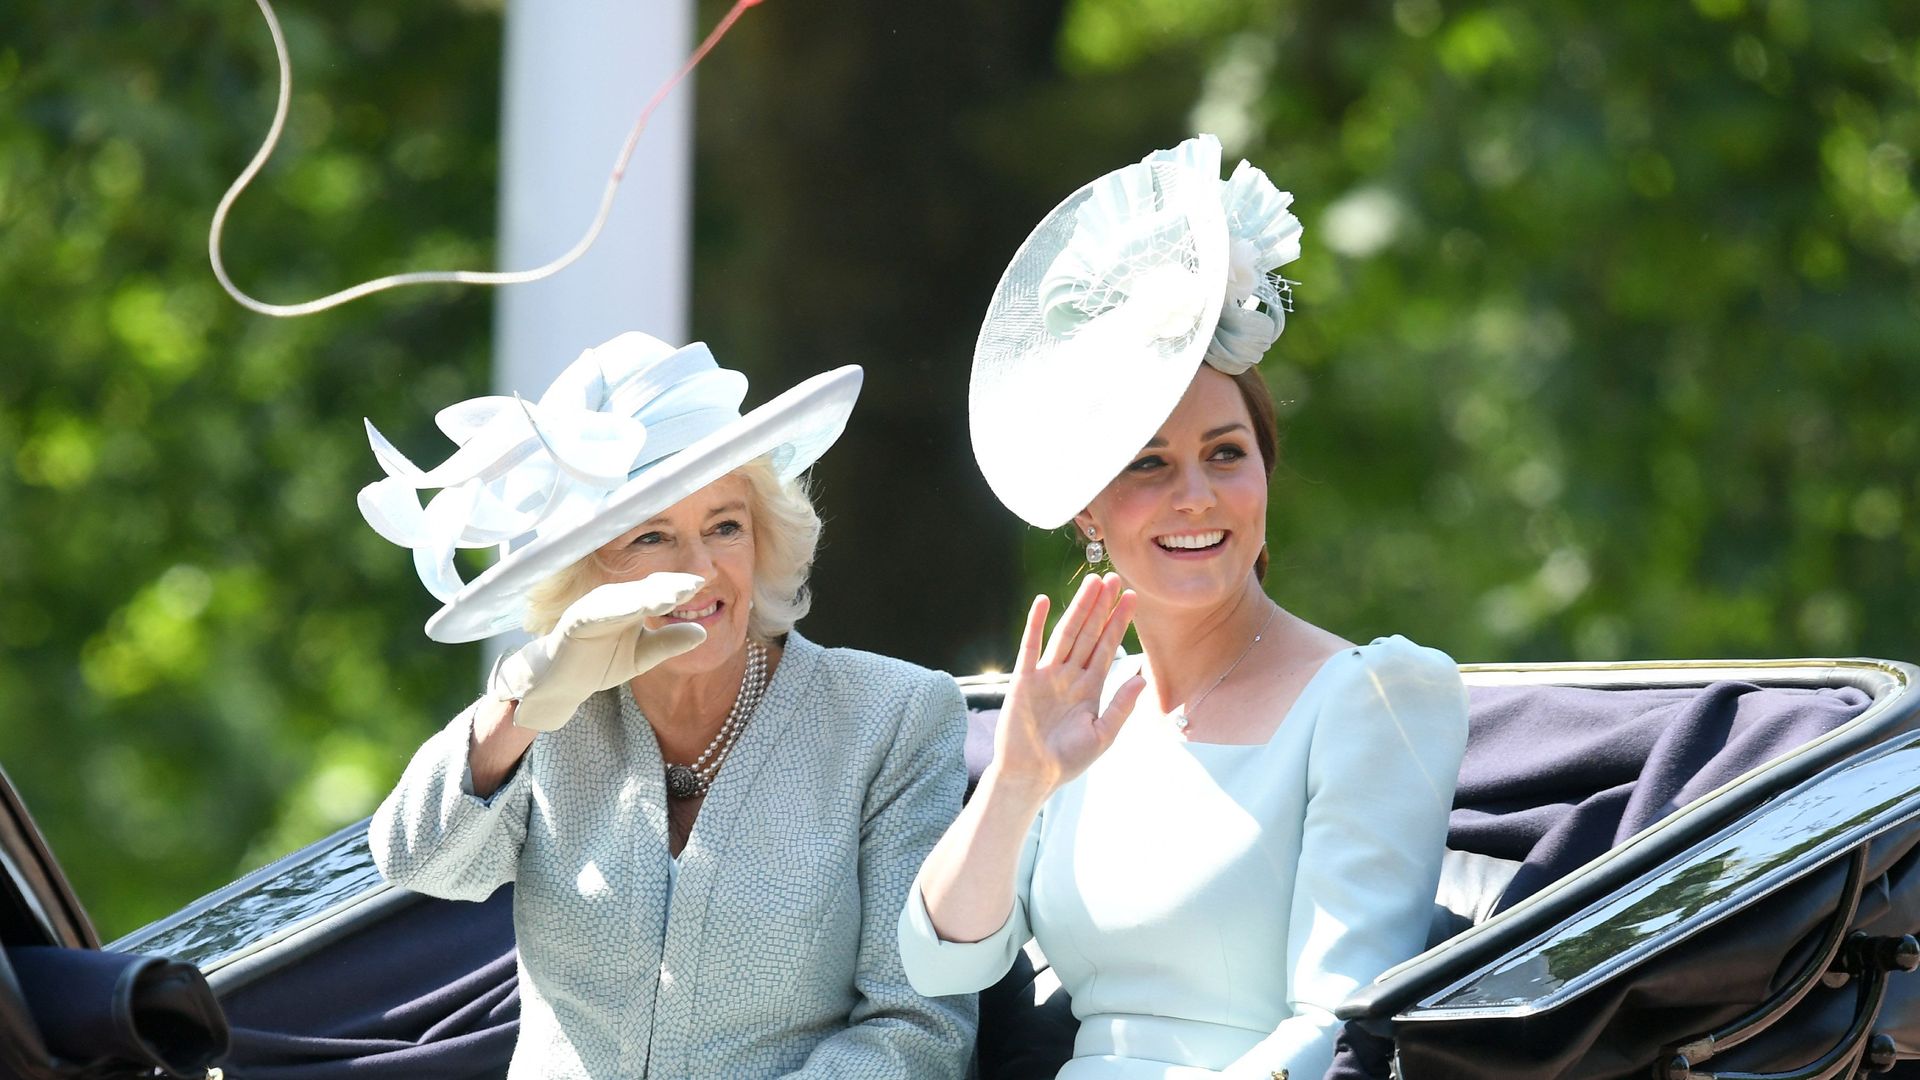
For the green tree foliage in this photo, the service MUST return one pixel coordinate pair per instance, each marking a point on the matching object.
(1605, 345)
(204, 659)
(1608, 335)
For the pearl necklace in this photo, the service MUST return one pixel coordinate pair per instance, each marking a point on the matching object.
(1183, 715)
(691, 781)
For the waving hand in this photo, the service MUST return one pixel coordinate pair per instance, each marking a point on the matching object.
(1052, 727)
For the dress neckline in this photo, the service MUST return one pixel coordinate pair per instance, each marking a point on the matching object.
(1286, 718)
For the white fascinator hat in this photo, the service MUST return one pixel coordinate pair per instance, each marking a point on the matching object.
(627, 430)
(1108, 309)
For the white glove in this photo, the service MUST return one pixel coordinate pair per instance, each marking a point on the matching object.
(599, 643)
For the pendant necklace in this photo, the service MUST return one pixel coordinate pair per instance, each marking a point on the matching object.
(1183, 715)
(689, 781)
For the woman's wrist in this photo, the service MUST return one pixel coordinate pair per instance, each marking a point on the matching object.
(1017, 791)
(968, 882)
(495, 745)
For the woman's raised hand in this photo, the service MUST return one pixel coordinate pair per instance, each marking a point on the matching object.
(1051, 726)
(600, 642)
(1051, 729)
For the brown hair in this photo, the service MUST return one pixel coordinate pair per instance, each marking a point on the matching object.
(1266, 435)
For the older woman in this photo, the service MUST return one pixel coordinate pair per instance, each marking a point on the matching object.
(1247, 822)
(710, 822)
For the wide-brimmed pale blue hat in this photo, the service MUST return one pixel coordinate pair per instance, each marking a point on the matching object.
(627, 430)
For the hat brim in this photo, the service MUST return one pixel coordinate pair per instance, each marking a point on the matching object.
(795, 427)
(1054, 419)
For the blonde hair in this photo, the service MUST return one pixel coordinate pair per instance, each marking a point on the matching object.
(786, 533)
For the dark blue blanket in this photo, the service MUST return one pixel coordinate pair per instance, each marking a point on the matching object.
(109, 1014)
(430, 993)
(1556, 776)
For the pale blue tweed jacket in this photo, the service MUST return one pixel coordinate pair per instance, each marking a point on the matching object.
(776, 955)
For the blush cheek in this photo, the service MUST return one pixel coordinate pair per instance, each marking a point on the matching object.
(1123, 519)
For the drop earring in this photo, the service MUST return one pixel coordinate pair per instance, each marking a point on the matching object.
(1096, 551)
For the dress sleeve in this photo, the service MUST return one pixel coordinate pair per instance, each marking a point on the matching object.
(433, 835)
(893, 1031)
(938, 966)
(1380, 776)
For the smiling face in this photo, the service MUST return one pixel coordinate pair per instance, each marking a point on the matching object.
(709, 533)
(1185, 520)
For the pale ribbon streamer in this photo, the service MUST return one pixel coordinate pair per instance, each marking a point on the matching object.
(524, 465)
(430, 277)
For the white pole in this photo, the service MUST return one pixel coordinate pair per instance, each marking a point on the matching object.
(577, 73)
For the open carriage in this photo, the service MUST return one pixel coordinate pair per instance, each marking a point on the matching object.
(1672, 869)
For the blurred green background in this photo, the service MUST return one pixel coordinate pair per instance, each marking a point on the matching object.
(1607, 345)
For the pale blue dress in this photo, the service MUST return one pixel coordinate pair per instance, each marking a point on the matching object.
(1207, 906)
